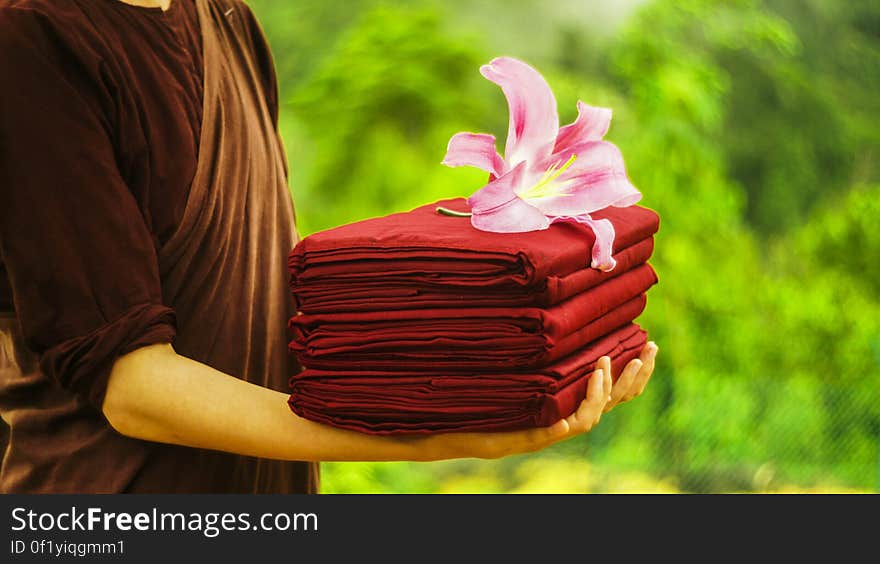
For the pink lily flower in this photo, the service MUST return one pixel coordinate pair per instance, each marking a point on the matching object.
(548, 173)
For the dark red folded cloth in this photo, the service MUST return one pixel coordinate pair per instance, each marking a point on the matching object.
(387, 403)
(424, 259)
(485, 338)
(390, 295)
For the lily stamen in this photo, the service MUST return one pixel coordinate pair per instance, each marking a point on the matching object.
(543, 188)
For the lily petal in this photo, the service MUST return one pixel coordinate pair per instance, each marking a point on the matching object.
(595, 180)
(600, 164)
(496, 207)
(603, 244)
(590, 155)
(498, 192)
(534, 120)
(515, 216)
(474, 149)
(591, 124)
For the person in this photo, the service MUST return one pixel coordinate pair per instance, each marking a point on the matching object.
(145, 221)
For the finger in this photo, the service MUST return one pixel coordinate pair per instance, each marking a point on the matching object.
(593, 411)
(591, 407)
(649, 353)
(641, 380)
(557, 431)
(625, 383)
(594, 389)
(577, 421)
(605, 364)
(607, 384)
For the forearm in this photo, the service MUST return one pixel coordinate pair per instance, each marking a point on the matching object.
(157, 395)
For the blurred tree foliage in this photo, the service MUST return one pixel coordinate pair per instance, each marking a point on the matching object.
(750, 126)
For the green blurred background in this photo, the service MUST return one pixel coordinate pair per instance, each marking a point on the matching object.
(751, 127)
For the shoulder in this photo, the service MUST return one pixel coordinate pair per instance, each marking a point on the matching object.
(238, 6)
(244, 19)
(236, 16)
(51, 50)
(250, 33)
(25, 23)
(48, 29)
(43, 18)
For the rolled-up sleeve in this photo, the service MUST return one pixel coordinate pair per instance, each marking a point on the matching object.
(79, 255)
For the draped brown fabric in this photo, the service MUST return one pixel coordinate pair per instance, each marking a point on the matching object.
(222, 273)
(233, 225)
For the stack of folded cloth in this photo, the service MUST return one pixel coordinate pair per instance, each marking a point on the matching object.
(416, 322)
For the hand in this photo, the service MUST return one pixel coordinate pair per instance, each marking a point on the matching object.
(633, 379)
(601, 397)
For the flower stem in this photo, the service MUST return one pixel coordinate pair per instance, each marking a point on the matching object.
(452, 213)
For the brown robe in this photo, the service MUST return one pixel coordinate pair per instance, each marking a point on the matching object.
(221, 272)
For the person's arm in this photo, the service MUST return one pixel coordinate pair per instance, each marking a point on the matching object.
(155, 394)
